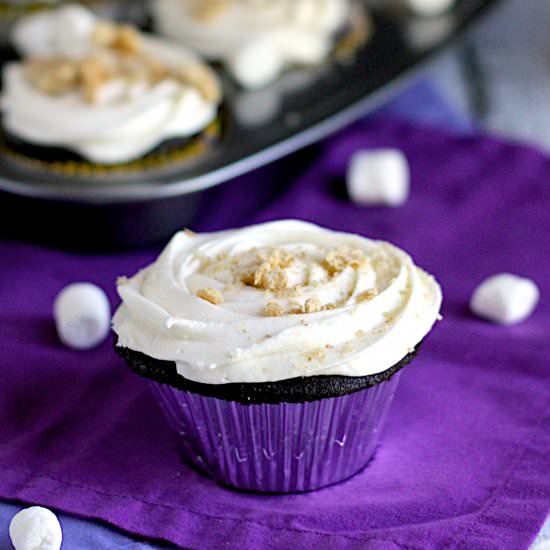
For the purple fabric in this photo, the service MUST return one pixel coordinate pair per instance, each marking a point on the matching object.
(281, 448)
(465, 455)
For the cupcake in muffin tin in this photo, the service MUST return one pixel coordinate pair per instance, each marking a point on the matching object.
(107, 92)
(257, 39)
(79, 105)
(275, 350)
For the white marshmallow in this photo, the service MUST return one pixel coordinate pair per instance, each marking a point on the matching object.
(35, 528)
(505, 298)
(378, 177)
(72, 27)
(430, 7)
(541, 545)
(257, 64)
(82, 315)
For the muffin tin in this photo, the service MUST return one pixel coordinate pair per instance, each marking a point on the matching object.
(255, 127)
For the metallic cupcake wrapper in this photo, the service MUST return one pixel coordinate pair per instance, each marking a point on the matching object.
(284, 447)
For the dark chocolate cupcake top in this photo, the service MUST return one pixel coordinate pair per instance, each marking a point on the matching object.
(277, 301)
(293, 390)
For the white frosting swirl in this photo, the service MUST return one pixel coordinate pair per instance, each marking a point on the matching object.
(127, 120)
(234, 341)
(250, 34)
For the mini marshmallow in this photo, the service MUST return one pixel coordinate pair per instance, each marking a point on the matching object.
(505, 298)
(378, 177)
(65, 32)
(429, 8)
(256, 65)
(541, 545)
(82, 315)
(35, 528)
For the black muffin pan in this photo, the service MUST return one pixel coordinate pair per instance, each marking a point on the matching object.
(256, 127)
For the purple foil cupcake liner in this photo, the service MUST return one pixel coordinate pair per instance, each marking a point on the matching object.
(284, 447)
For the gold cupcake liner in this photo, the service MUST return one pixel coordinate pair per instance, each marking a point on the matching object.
(165, 155)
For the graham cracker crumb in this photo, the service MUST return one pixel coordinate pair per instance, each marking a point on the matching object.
(54, 76)
(273, 309)
(280, 258)
(270, 274)
(347, 348)
(122, 45)
(122, 38)
(127, 40)
(210, 295)
(315, 355)
(389, 316)
(208, 10)
(272, 279)
(366, 295)
(296, 310)
(104, 34)
(312, 305)
(94, 72)
(339, 258)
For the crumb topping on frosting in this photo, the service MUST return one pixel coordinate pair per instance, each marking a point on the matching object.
(208, 10)
(273, 309)
(122, 38)
(294, 277)
(339, 258)
(366, 295)
(210, 295)
(118, 55)
(271, 272)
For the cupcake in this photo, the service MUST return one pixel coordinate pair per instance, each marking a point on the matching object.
(255, 39)
(275, 350)
(106, 92)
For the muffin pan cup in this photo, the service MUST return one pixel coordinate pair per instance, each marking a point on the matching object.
(278, 448)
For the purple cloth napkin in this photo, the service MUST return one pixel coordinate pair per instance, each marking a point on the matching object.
(465, 457)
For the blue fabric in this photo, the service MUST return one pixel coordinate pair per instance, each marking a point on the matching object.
(77, 533)
(421, 103)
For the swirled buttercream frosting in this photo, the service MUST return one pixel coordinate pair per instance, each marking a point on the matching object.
(105, 91)
(277, 301)
(255, 38)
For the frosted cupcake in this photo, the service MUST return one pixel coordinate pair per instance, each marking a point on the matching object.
(255, 39)
(104, 91)
(276, 349)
